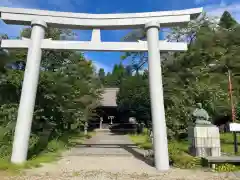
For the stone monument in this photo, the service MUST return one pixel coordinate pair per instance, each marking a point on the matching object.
(204, 137)
(101, 121)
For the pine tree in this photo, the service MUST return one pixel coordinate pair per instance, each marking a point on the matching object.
(227, 21)
(101, 74)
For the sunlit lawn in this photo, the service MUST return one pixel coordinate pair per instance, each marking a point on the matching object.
(226, 142)
(51, 153)
(178, 151)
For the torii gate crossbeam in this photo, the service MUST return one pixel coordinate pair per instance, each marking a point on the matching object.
(39, 21)
(95, 46)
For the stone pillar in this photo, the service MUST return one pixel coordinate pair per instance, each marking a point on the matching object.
(28, 95)
(100, 125)
(157, 101)
(85, 128)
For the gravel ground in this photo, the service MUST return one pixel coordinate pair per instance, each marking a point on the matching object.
(109, 159)
(173, 174)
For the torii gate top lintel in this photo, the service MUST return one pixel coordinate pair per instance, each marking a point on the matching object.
(70, 20)
(96, 22)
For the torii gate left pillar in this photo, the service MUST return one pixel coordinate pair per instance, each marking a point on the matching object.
(28, 95)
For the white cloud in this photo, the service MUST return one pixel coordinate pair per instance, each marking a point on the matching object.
(20, 4)
(14, 30)
(99, 65)
(218, 9)
(64, 5)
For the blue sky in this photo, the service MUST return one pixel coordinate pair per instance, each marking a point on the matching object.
(106, 60)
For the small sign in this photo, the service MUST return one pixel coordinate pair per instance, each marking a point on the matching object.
(234, 127)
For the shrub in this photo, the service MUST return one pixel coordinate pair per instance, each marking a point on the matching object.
(226, 168)
(185, 161)
(54, 146)
(180, 158)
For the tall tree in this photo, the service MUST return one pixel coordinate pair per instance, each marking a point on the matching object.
(101, 74)
(133, 98)
(197, 75)
(67, 94)
(227, 21)
(114, 79)
(51, 59)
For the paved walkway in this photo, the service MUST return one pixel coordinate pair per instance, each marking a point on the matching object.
(108, 156)
(104, 144)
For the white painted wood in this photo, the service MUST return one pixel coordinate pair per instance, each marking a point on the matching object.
(96, 46)
(76, 23)
(234, 127)
(28, 94)
(25, 39)
(160, 142)
(96, 35)
(101, 21)
(193, 12)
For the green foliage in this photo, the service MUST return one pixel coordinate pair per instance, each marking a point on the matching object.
(51, 152)
(101, 74)
(227, 143)
(51, 59)
(185, 161)
(141, 141)
(179, 157)
(227, 21)
(178, 151)
(67, 95)
(197, 75)
(133, 98)
(226, 168)
(114, 79)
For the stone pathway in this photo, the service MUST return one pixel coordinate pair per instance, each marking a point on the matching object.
(108, 156)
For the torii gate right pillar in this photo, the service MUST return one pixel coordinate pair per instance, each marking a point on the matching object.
(160, 141)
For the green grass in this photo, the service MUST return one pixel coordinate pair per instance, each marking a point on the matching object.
(178, 151)
(227, 143)
(51, 153)
(142, 141)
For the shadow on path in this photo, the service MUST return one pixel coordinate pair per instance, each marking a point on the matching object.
(111, 144)
(130, 148)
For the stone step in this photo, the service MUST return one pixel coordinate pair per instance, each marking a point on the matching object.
(99, 151)
(101, 155)
(102, 130)
(105, 126)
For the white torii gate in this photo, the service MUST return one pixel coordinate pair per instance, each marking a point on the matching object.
(40, 19)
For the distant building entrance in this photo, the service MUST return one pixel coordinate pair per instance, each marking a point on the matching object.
(108, 115)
